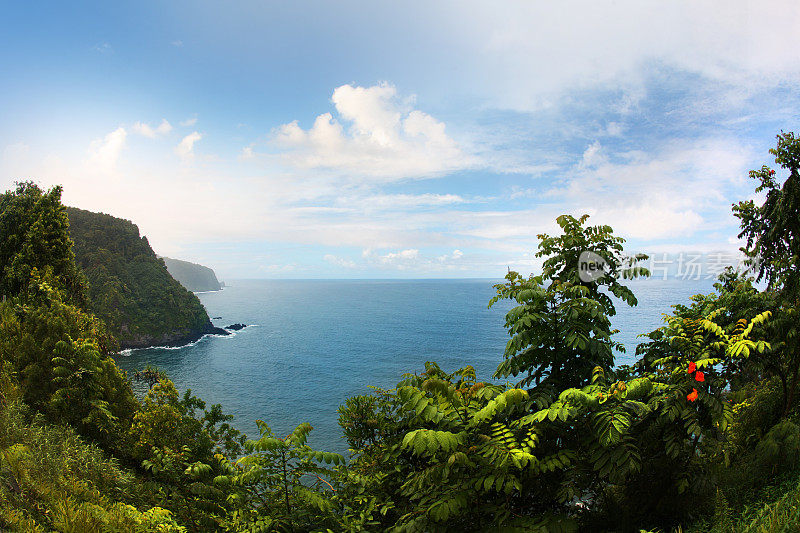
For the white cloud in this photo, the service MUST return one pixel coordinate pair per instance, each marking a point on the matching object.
(411, 254)
(385, 202)
(247, 152)
(662, 197)
(673, 192)
(593, 155)
(104, 153)
(177, 43)
(339, 261)
(402, 260)
(186, 146)
(527, 55)
(456, 255)
(413, 260)
(150, 132)
(382, 138)
(189, 122)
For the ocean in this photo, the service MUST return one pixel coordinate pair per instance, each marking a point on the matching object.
(312, 343)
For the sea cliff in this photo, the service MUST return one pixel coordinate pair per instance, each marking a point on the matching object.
(130, 287)
(196, 278)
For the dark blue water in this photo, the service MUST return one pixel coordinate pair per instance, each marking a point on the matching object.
(316, 342)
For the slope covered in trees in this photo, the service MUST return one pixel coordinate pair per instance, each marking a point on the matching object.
(130, 288)
(702, 433)
(194, 277)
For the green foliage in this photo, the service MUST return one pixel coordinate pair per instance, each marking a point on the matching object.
(281, 485)
(457, 452)
(35, 244)
(449, 452)
(700, 433)
(130, 288)
(169, 421)
(772, 231)
(150, 375)
(780, 448)
(50, 479)
(561, 328)
(181, 453)
(48, 342)
(54, 358)
(780, 516)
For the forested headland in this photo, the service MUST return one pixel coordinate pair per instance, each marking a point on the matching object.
(129, 287)
(701, 433)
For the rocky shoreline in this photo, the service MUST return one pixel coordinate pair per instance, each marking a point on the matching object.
(177, 340)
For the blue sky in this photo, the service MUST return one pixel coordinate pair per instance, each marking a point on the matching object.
(414, 139)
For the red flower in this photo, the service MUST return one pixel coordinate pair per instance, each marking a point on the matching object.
(700, 376)
(692, 396)
(692, 368)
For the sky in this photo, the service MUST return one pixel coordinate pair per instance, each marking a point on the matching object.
(398, 139)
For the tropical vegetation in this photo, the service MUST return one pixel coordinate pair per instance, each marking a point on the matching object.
(701, 433)
(129, 287)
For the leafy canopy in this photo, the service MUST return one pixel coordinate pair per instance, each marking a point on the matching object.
(561, 328)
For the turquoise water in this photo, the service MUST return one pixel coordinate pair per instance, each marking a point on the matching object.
(315, 342)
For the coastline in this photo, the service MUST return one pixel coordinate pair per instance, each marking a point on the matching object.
(210, 290)
(216, 332)
(173, 341)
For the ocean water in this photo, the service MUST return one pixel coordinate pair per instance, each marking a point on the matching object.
(312, 343)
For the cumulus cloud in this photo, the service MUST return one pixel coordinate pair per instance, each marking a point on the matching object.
(104, 153)
(189, 122)
(376, 135)
(185, 148)
(152, 132)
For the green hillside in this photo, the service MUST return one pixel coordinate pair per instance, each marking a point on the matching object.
(130, 288)
(194, 277)
(700, 435)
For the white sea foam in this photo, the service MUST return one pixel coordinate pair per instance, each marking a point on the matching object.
(206, 292)
(230, 334)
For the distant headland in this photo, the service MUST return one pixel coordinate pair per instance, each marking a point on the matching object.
(196, 278)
